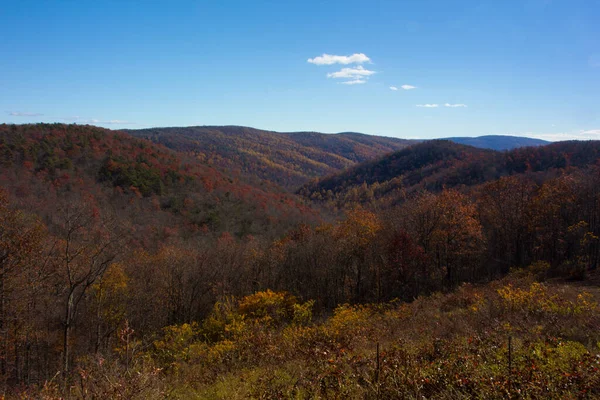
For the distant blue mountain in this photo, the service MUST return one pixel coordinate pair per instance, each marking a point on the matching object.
(498, 142)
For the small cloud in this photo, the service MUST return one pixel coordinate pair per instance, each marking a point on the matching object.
(355, 76)
(354, 82)
(455, 105)
(351, 73)
(403, 87)
(428, 105)
(24, 114)
(329, 59)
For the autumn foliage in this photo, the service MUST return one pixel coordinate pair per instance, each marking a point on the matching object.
(131, 270)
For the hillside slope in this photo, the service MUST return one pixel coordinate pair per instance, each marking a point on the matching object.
(142, 273)
(287, 159)
(513, 338)
(435, 164)
(51, 161)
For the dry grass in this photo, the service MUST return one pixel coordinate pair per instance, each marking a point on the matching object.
(444, 346)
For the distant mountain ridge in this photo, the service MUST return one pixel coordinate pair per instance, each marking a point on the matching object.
(498, 142)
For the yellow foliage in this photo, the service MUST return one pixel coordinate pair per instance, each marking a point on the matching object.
(220, 351)
(359, 228)
(267, 304)
(110, 294)
(224, 321)
(537, 299)
(232, 319)
(347, 318)
(175, 344)
(270, 307)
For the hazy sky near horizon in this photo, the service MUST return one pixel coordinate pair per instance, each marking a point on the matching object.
(412, 69)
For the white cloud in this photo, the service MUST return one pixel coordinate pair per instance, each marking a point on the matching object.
(455, 105)
(351, 73)
(354, 82)
(403, 87)
(428, 105)
(24, 114)
(329, 59)
(354, 75)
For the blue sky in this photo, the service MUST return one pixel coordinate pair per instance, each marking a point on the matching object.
(529, 67)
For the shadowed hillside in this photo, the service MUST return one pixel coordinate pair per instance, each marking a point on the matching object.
(436, 164)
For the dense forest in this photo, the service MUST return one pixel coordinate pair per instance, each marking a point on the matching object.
(188, 264)
(286, 159)
(437, 164)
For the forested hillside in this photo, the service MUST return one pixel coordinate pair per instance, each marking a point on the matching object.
(288, 159)
(45, 162)
(84, 207)
(131, 270)
(438, 164)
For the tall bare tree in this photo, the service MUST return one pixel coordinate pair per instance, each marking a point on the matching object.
(87, 245)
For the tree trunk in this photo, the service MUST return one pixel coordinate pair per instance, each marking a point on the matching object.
(67, 334)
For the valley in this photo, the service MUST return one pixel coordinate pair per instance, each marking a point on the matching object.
(212, 262)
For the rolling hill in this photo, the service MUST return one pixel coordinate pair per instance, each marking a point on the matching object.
(436, 164)
(126, 261)
(43, 163)
(287, 159)
(291, 159)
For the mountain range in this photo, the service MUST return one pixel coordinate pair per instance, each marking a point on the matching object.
(290, 159)
(287, 159)
(437, 164)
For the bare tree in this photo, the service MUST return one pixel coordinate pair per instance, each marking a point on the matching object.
(87, 245)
